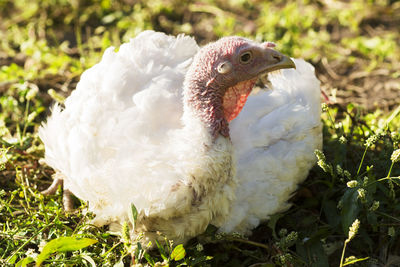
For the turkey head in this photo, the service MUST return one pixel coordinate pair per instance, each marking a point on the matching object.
(222, 76)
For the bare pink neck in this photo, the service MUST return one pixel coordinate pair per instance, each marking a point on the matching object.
(207, 105)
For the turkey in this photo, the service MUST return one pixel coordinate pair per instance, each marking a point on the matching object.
(177, 131)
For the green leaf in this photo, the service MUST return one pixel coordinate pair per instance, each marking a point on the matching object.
(56, 96)
(63, 244)
(372, 219)
(162, 251)
(331, 214)
(313, 253)
(272, 223)
(12, 259)
(138, 251)
(24, 262)
(355, 260)
(133, 215)
(350, 208)
(149, 258)
(199, 259)
(178, 253)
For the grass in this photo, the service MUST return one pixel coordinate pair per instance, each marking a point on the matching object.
(346, 212)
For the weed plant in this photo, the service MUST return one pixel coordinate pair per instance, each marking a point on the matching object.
(347, 212)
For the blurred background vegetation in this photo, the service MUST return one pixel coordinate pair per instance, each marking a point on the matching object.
(354, 45)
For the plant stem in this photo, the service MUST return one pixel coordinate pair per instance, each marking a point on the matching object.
(392, 116)
(344, 249)
(25, 122)
(387, 215)
(383, 179)
(362, 160)
(111, 249)
(390, 171)
(250, 243)
(27, 241)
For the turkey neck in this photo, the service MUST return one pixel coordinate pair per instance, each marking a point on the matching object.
(205, 103)
(206, 130)
(208, 162)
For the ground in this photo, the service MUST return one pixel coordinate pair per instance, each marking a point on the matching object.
(354, 45)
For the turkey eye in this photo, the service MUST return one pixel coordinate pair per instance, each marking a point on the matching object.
(246, 57)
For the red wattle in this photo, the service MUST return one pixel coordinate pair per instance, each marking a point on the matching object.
(235, 98)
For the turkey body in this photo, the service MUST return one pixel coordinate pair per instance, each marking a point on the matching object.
(127, 137)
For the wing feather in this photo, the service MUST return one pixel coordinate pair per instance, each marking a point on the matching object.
(114, 122)
(274, 138)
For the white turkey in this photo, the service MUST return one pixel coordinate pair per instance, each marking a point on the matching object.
(162, 124)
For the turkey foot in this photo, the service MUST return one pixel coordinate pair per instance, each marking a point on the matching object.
(67, 195)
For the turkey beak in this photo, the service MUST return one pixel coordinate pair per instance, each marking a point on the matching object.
(280, 61)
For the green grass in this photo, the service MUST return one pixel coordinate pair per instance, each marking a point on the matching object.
(46, 45)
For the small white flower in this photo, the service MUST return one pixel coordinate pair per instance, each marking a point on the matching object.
(199, 247)
(351, 258)
(41, 245)
(395, 156)
(352, 183)
(374, 206)
(125, 232)
(339, 169)
(391, 231)
(292, 237)
(353, 229)
(283, 232)
(361, 194)
(371, 140)
(320, 155)
(32, 92)
(347, 174)
(342, 140)
(365, 182)
(237, 235)
(31, 253)
(219, 235)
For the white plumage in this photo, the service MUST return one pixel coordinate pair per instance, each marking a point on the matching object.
(126, 136)
(274, 139)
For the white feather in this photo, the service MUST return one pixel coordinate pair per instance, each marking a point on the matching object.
(274, 138)
(121, 139)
